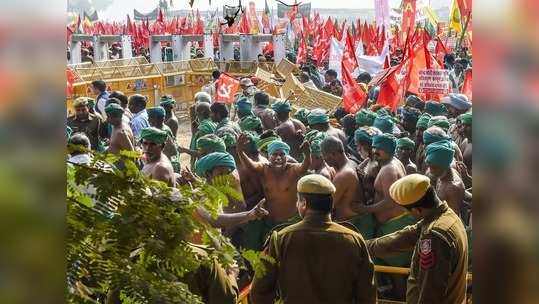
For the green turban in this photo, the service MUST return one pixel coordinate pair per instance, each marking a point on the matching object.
(317, 116)
(252, 144)
(212, 160)
(278, 145)
(385, 142)
(405, 142)
(263, 143)
(440, 153)
(365, 118)
(429, 138)
(250, 123)
(167, 101)
(154, 135)
(410, 115)
(315, 138)
(301, 115)
(384, 123)
(80, 101)
(423, 121)
(466, 118)
(206, 127)
(435, 108)
(439, 121)
(211, 143)
(316, 148)
(382, 112)
(69, 131)
(91, 102)
(365, 134)
(229, 136)
(114, 108)
(244, 106)
(281, 106)
(156, 111)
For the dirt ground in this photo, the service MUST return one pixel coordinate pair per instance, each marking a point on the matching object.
(184, 134)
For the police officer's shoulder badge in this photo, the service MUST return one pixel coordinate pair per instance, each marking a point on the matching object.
(426, 255)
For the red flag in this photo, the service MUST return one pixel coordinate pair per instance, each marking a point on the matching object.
(130, 29)
(349, 56)
(440, 51)
(199, 26)
(293, 12)
(353, 96)
(70, 77)
(244, 24)
(329, 27)
(69, 34)
(467, 85)
(408, 15)
(306, 25)
(160, 17)
(227, 87)
(381, 40)
(465, 7)
(302, 51)
(393, 88)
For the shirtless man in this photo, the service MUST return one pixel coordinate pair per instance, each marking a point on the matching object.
(168, 102)
(279, 178)
(289, 129)
(318, 119)
(122, 137)
(466, 130)
(156, 164)
(318, 165)
(405, 149)
(369, 168)
(449, 185)
(261, 110)
(156, 119)
(390, 216)
(251, 183)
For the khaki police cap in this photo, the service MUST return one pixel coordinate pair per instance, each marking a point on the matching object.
(315, 184)
(409, 189)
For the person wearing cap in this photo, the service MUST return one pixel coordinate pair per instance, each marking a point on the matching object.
(156, 164)
(277, 176)
(439, 241)
(156, 119)
(85, 122)
(262, 110)
(289, 129)
(456, 104)
(168, 102)
(389, 216)
(121, 137)
(318, 119)
(449, 185)
(405, 150)
(244, 107)
(316, 259)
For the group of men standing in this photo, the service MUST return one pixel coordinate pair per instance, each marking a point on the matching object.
(326, 199)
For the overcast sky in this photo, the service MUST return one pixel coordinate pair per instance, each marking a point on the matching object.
(120, 8)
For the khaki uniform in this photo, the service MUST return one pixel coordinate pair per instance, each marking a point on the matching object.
(317, 261)
(440, 258)
(92, 127)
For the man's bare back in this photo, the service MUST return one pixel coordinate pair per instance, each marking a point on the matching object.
(121, 139)
(388, 174)
(337, 133)
(251, 183)
(451, 189)
(173, 124)
(288, 131)
(348, 192)
(160, 170)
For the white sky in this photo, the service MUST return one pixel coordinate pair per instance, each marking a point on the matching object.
(119, 8)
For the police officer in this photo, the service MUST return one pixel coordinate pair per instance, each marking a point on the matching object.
(316, 260)
(440, 258)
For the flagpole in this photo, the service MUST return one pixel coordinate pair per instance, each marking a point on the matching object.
(464, 31)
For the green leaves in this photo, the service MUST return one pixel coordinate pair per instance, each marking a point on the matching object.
(128, 236)
(257, 259)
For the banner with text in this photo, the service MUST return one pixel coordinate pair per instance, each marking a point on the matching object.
(434, 81)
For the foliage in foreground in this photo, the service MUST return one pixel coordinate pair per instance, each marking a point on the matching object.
(129, 234)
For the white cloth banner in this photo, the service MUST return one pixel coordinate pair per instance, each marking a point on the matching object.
(372, 64)
(381, 10)
(336, 49)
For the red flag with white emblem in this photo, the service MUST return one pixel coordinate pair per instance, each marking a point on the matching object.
(227, 87)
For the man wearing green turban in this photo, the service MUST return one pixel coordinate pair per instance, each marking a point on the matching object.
(449, 185)
(229, 136)
(384, 123)
(365, 118)
(466, 131)
(289, 129)
(244, 107)
(251, 123)
(168, 102)
(435, 108)
(421, 126)
(318, 119)
(205, 126)
(439, 121)
(156, 118)
(318, 165)
(278, 177)
(156, 164)
(434, 134)
(389, 215)
(121, 137)
(410, 116)
(405, 150)
(210, 143)
(301, 115)
(205, 165)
